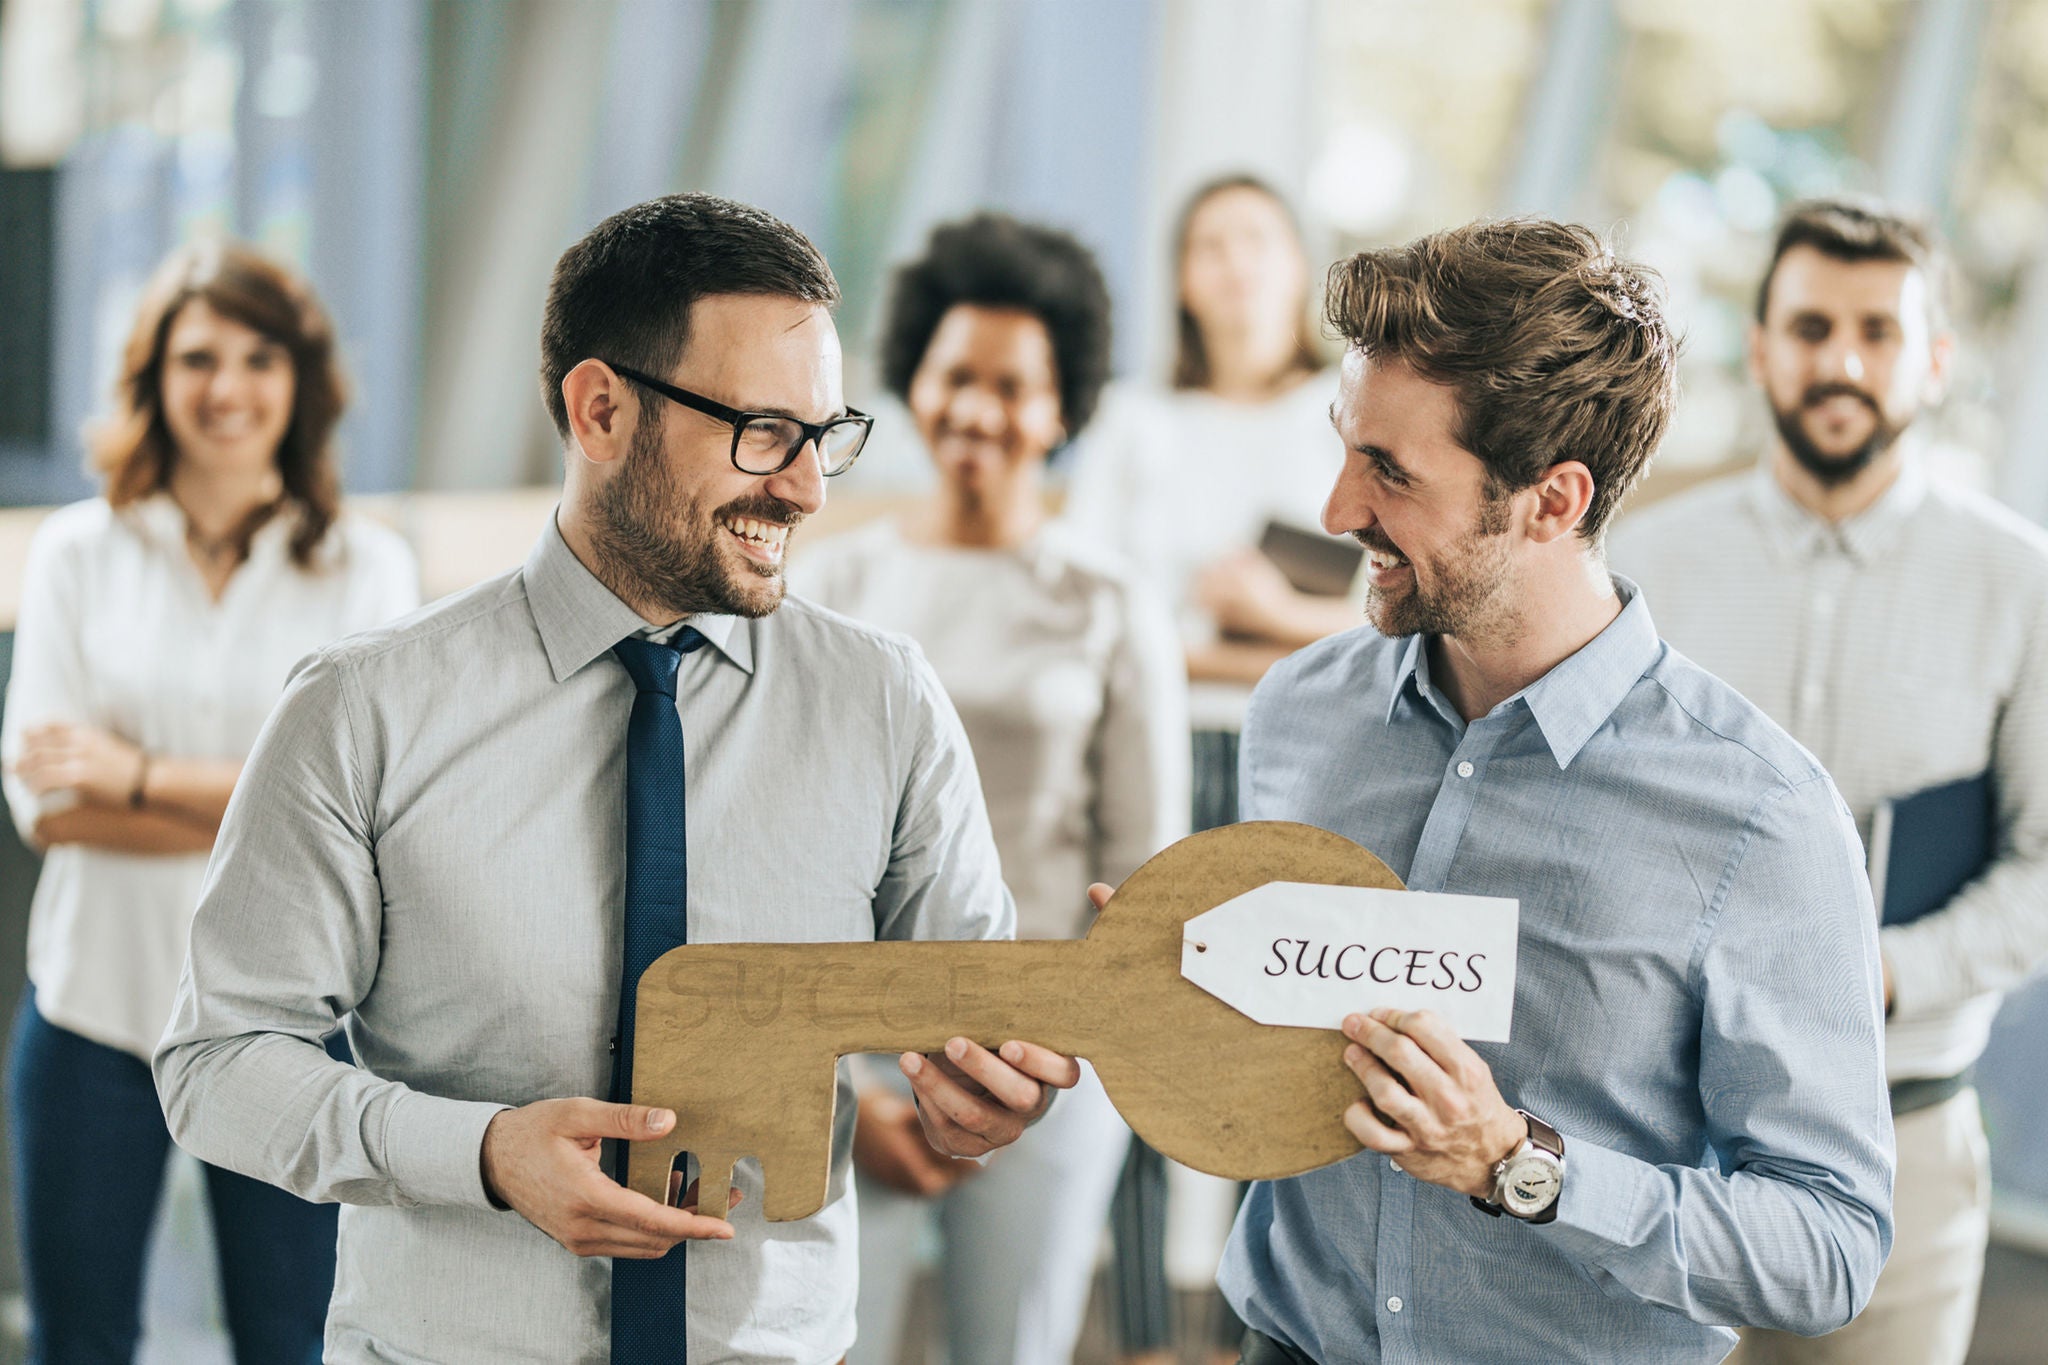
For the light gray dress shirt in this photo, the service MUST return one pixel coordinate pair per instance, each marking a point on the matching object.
(429, 839)
(1906, 647)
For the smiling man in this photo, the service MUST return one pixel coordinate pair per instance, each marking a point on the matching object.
(1689, 1127)
(467, 834)
(1898, 627)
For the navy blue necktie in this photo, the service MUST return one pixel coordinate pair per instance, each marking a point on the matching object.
(648, 1296)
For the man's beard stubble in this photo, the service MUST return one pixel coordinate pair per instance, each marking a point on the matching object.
(660, 543)
(1834, 470)
(1470, 586)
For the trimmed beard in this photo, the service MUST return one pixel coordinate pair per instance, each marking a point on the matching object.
(1832, 471)
(1470, 584)
(662, 546)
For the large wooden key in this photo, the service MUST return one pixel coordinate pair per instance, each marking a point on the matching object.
(742, 1040)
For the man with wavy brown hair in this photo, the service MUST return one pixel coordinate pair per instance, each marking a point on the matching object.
(1688, 1129)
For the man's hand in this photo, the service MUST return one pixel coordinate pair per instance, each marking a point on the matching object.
(889, 1146)
(542, 1161)
(973, 1101)
(1433, 1104)
(101, 767)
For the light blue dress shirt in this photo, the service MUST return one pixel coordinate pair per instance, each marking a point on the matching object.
(1697, 1012)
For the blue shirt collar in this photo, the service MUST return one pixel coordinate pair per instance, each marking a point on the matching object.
(1574, 699)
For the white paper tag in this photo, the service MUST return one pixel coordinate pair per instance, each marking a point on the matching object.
(1305, 954)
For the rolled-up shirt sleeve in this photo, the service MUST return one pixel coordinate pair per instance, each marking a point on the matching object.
(1790, 1225)
(284, 945)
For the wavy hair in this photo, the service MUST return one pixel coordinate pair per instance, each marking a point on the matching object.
(1556, 348)
(131, 449)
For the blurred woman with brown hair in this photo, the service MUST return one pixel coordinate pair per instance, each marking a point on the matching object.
(158, 624)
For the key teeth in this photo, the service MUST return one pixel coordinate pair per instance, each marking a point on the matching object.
(714, 1185)
(648, 1164)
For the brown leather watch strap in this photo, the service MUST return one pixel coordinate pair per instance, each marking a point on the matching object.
(1543, 1135)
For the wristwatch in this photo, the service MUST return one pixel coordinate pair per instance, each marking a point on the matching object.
(1528, 1181)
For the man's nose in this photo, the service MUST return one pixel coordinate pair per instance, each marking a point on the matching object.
(1844, 360)
(1349, 507)
(802, 484)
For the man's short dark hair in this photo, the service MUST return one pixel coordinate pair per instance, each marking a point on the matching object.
(623, 294)
(994, 261)
(1852, 229)
(1555, 348)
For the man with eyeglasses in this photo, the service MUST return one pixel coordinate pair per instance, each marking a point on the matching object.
(466, 836)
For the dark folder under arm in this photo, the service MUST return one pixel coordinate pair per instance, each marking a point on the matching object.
(1317, 564)
(1926, 847)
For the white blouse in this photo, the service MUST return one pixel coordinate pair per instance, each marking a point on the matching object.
(1176, 480)
(117, 631)
(1069, 682)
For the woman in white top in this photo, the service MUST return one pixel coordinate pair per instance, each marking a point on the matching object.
(1186, 480)
(1068, 681)
(158, 623)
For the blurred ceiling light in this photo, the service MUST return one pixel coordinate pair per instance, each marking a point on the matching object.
(42, 81)
(1360, 180)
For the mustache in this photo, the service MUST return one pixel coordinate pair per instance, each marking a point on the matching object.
(762, 507)
(1817, 394)
(1372, 538)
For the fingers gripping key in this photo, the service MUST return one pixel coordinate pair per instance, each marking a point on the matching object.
(742, 1040)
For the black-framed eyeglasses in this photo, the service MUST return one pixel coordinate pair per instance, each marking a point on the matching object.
(767, 442)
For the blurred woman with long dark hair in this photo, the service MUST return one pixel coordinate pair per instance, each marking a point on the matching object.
(158, 623)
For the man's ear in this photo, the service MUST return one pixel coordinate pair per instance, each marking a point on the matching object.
(603, 411)
(1942, 354)
(1753, 355)
(1563, 496)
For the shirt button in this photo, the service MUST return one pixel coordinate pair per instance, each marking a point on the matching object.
(1393, 1165)
(1465, 768)
(1394, 1304)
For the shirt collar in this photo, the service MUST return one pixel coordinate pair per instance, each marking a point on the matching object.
(579, 618)
(1793, 533)
(1574, 699)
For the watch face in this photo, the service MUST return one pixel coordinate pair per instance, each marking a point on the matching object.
(1530, 1183)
